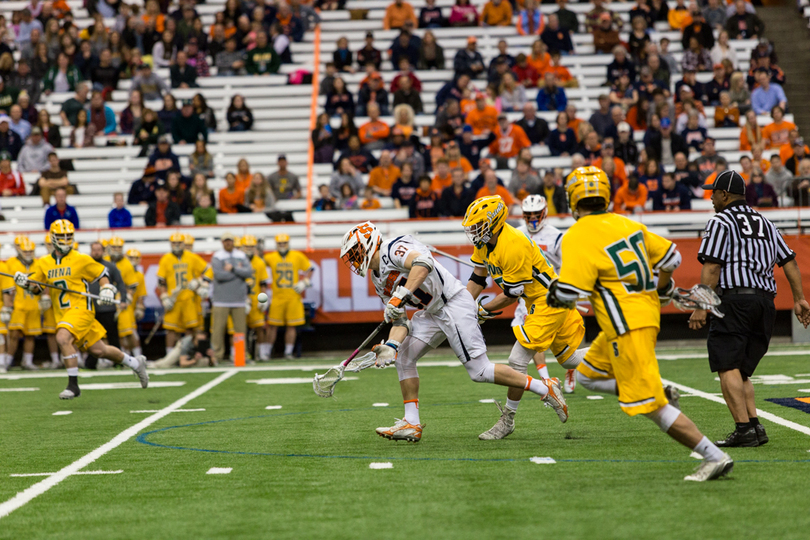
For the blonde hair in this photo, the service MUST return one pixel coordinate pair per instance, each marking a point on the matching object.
(409, 112)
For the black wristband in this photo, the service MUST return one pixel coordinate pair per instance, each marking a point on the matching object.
(478, 280)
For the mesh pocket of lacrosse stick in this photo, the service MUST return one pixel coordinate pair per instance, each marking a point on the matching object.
(362, 362)
(324, 385)
(698, 297)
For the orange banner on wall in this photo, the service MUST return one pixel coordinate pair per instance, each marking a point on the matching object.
(342, 297)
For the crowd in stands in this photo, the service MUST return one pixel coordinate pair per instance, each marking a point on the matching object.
(471, 150)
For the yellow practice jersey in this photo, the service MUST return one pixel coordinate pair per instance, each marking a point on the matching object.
(140, 289)
(175, 273)
(260, 275)
(515, 262)
(23, 300)
(611, 259)
(75, 271)
(129, 276)
(285, 270)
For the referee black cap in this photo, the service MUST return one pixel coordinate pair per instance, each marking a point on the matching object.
(729, 181)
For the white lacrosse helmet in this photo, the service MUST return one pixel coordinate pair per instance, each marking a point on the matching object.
(533, 205)
(358, 247)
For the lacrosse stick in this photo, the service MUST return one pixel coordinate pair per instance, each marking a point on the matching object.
(65, 289)
(581, 309)
(698, 297)
(159, 320)
(324, 385)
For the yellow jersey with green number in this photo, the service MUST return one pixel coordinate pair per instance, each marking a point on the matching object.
(611, 259)
(516, 261)
(174, 272)
(260, 275)
(75, 271)
(23, 300)
(285, 271)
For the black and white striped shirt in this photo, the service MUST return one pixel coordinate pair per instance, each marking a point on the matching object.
(746, 245)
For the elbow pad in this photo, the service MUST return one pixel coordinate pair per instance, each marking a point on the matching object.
(479, 280)
(425, 261)
(671, 262)
(512, 291)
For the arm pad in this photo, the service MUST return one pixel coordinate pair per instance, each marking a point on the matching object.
(425, 261)
(478, 280)
(671, 263)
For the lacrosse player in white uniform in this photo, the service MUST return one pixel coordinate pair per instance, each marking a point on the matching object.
(404, 273)
(549, 239)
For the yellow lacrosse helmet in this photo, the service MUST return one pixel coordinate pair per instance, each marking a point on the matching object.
(177, 237)
(47, 238)
(281, 238)
(134, 256)
(62, 235)
(75, 245)
(484, 218)
(249, 241)
(23, 243)
(586, 183)
(18, 240)
(237, 242)
(188, 240)
(116, 241)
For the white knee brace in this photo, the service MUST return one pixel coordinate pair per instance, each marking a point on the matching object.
(481, 369)
(664, 417)
(603, 386)
(520, 357)
(575, 359)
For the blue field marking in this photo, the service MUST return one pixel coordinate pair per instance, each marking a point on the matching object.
(143, 439)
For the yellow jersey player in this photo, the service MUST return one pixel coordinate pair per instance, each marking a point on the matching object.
(77, 328)
(137, 300)
(4, 359)
(200, 284)
(21, 308)
(290, 271)
(49, 319)
(521, 270)
(175, 272)
(127, 327)
(610, 259)
(261, 281)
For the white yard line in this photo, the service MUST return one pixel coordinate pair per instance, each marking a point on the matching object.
(24, 497)
(760, 413)
(74, 474)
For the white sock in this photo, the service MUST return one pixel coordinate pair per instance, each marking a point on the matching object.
(267, 350)
(6, 359)
(288, 349)
(708, 450)
(28, 359)
(233, 353)
(73, 372)
(512, 404)
(137, 351)
(412, 412)
(130, 361)
(536, 386)
(55, 359)
(543, 371)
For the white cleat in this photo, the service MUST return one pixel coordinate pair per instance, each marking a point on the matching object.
(69, 393)
(30, 367)
(3, 369)
(503, 427)
(711, 470)
(555, 398)
(402, 431)
(140, 371)
(570, 382)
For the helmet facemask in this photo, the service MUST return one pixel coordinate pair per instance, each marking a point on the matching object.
(62, 242)
(535, 220)
(479, 233)
(177, 249)
(116, 253)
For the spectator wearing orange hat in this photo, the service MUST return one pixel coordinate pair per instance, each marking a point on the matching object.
(605, 35)
(483, 118)
(468, 60)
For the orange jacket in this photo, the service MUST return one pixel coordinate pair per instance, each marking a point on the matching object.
(625, 201)
(486, 120)
(373, 131)
(541, 64)
(493, 15)
(383, 178)
(510, 143)
(228, 200)
(463, 163)
(370, 204)
(500, 190)
(441, 182)
(243, 181)
(745, 143)
(395, 16)
(618, 164)
(775, 135)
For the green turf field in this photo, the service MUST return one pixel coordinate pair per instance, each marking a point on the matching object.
(302, 471)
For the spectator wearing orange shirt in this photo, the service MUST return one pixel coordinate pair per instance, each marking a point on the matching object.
(719, 166)
(775, 134)
(483, 118)
(630, 198)
(539, 59)
(443, 177)
(153, 18)
(397, 13)
(383, 176)
(374, 134)
(786, 150)
(511, 140)
(492, 187)
(497, 13)
(231, 197)
(605, 154)
(370, 201)
(561, 73)
(243, 176)
(455, 159)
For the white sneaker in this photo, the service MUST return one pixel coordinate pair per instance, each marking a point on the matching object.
(570, 381)
(503, 427)
(401, 431)
(289, 357)
(30, 367)
(3, 368)
(140, 371)
(69, 393)
(555, 399)
(103, 363)
(711, 470)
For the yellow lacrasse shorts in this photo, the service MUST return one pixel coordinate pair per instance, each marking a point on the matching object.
(560, 330)
(185, 315)
(630, 359)
(286, 311)
(27, 321)
(49, 322)
(126, 322)
(82, 324)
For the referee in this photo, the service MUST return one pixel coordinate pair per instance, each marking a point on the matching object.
(738, 252)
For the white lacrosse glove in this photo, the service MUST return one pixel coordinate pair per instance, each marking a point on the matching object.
(21, 279)
(204, 290)
(193, 285)
(106, 296)
(302, 285)
(263, 307)
(248, 305)
(483, 313)
(167, 301)
(386, 353)
(139, 313)
(5, 314)
(665, 293)
(395, 308)
(45, 302)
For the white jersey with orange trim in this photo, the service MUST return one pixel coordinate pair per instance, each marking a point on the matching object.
(437, 289)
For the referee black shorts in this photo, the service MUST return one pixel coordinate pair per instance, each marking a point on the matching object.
(741, 338)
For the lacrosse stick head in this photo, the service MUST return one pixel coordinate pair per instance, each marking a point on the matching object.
(698, 297)
(324, 385)
(362, 362)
